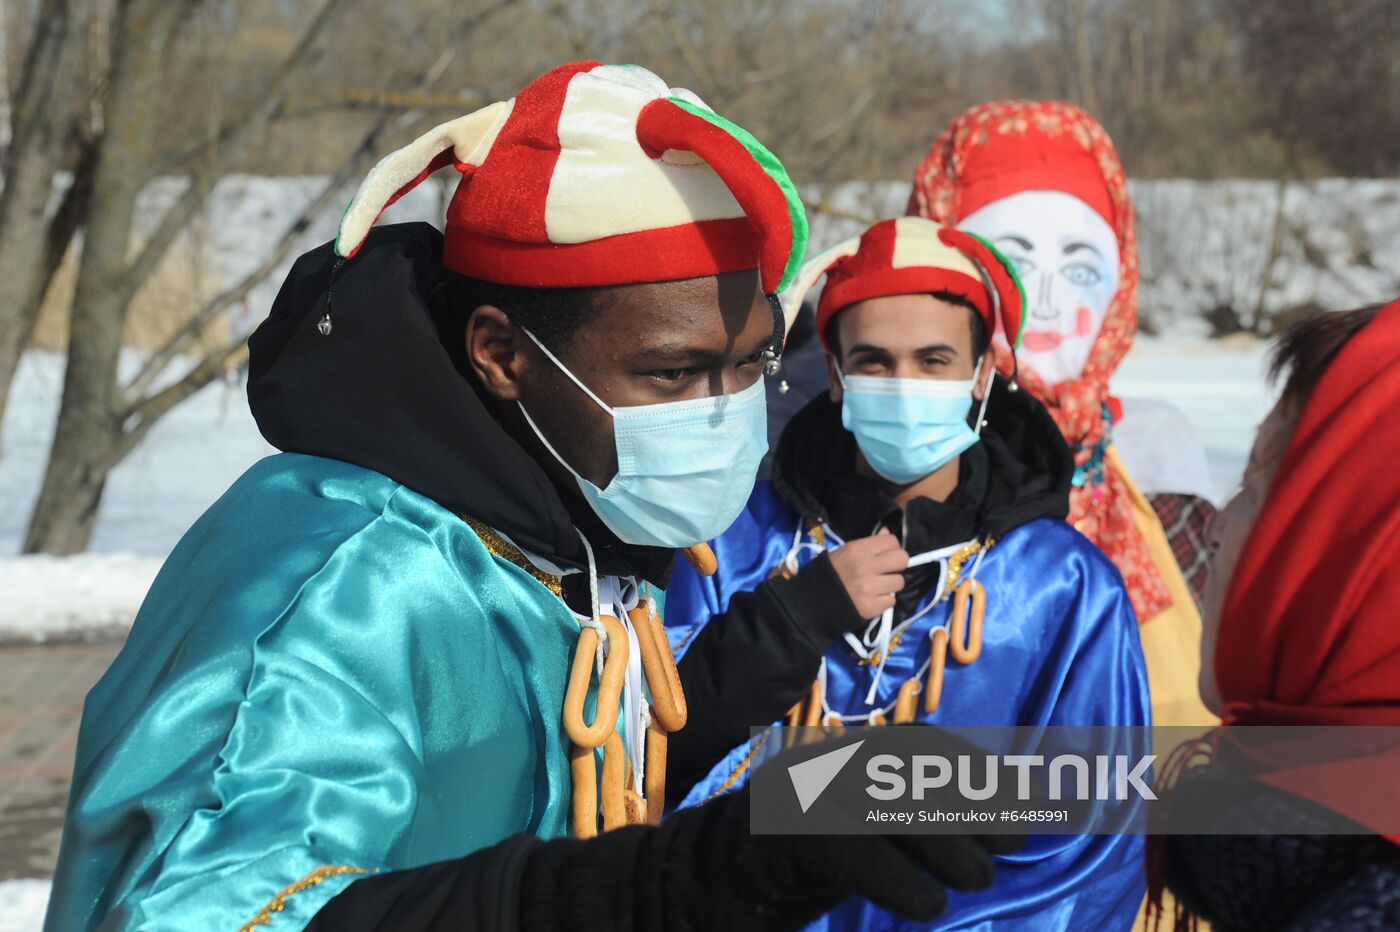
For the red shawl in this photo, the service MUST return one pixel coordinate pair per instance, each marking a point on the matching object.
(1310, 629)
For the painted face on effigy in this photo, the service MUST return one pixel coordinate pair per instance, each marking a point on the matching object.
(1067, 257)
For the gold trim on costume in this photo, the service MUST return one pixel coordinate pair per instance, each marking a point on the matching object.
(279, 902)
(958, 559)
(739, 770)
(500, 547)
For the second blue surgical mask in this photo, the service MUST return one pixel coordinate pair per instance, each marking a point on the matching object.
(907, 428)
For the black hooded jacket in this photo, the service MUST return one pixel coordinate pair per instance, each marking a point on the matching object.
(750, 664)
(387, 389)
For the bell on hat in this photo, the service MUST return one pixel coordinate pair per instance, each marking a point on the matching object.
(597, 175)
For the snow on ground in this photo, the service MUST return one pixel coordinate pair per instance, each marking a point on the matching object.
(83, 596)
(22, 905)
(151, 499)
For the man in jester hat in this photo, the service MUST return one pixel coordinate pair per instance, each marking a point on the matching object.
(383, 675)
(909, 562)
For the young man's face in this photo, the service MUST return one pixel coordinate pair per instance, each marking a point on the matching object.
(913, 336)
(646, 344)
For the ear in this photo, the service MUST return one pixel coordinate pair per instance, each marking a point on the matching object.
(985, 374)
(833, 383)
(494, 352)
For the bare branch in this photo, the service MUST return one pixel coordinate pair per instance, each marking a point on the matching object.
(381, 101)
(224, 149)
(217, 305)
(846, 117)
(300, 106)
(831, 210)
(353, 166)
(65, 222)
(692, 56)
(156, 407)
(39, 77)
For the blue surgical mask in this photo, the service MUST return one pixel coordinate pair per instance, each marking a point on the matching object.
(907, 428)
(684, 468)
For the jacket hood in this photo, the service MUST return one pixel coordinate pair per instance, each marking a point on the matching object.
(1018, 471)
(384, 391)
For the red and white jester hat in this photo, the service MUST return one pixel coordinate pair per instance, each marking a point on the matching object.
(597, 175)
(911, 255)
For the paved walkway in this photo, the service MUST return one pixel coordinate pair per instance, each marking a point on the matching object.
(41, 697)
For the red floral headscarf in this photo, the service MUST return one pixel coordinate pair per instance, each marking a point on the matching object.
(998, 149)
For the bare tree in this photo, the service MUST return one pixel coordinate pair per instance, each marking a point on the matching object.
(116, 93)
(47, 138)
(101, 420)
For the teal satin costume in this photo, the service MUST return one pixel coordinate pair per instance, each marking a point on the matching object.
(331, 671)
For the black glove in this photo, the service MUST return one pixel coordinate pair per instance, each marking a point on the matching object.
(702, 869)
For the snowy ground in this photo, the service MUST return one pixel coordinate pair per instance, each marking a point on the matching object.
(151, 499)
(1221, 386)
(22, 905)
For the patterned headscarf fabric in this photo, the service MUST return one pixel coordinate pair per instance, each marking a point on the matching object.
(997, 149)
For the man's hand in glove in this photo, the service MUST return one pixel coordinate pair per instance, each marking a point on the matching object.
(701, 868)
(704, 869)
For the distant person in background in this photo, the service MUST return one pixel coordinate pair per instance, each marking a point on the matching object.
(1300, 629)
(1042, 182)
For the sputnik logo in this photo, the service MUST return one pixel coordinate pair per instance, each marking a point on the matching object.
(811, 777)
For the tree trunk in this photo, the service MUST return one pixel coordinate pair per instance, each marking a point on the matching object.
(87, 431)
(42, 141)
(89, 427)
(57, 239)
(98, 423)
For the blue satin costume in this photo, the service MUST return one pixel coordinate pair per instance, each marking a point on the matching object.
(1060, 647)
(331, 675)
